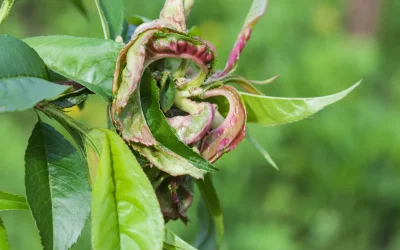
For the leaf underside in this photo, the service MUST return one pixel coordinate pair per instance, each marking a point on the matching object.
(23, 77)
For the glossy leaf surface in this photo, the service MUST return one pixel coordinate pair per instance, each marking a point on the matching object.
(160, 128)
(270, 111)
(3, 237)
(57, 188)
(12, 202)
(88, 61)
(23, 76)
(125, 210)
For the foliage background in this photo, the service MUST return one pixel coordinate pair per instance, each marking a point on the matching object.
(338, 187)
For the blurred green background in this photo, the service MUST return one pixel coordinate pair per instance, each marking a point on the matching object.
(339, 181)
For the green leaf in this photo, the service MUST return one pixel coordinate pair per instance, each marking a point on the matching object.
(5, 9)
(23, 76)
(125, 211)
(211, 231)
(79, 5)
(18, 59)
(72, 99)
(12, 202)
(270, 111)
(57, 188)
(114, 13)
(160, 128)
(88, 61)
(20, 93)
(167, 92)
(3, 237)
(173, 242)
(260, 149)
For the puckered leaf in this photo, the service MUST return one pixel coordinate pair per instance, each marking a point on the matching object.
(132, 126)
(88, 61)
(175, 195)
(3, 237)
(125, 210)
(174, 13)
(231, 131)
(5, 9)
(57, 188)
(270, 111)
(191, 128)
(114, 13)
(257, 10)
(160, 128)
(211, 232)
(151, 45)
(173, 242)
(12, 202)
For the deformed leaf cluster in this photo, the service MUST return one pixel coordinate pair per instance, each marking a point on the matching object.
(98, 173)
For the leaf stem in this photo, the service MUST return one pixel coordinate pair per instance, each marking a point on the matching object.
(61, 117)
(103, 20)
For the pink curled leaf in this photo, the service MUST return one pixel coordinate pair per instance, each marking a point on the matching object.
(231, 131)
(191, 128)
(257, 10)
(151, 45)
(174, 13)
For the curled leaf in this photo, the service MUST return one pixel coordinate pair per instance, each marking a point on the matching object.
(153, 45)
(191, 128)
(257, 10)
(174, 12)
(175, 196)
(231, 131)
(160, 128)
